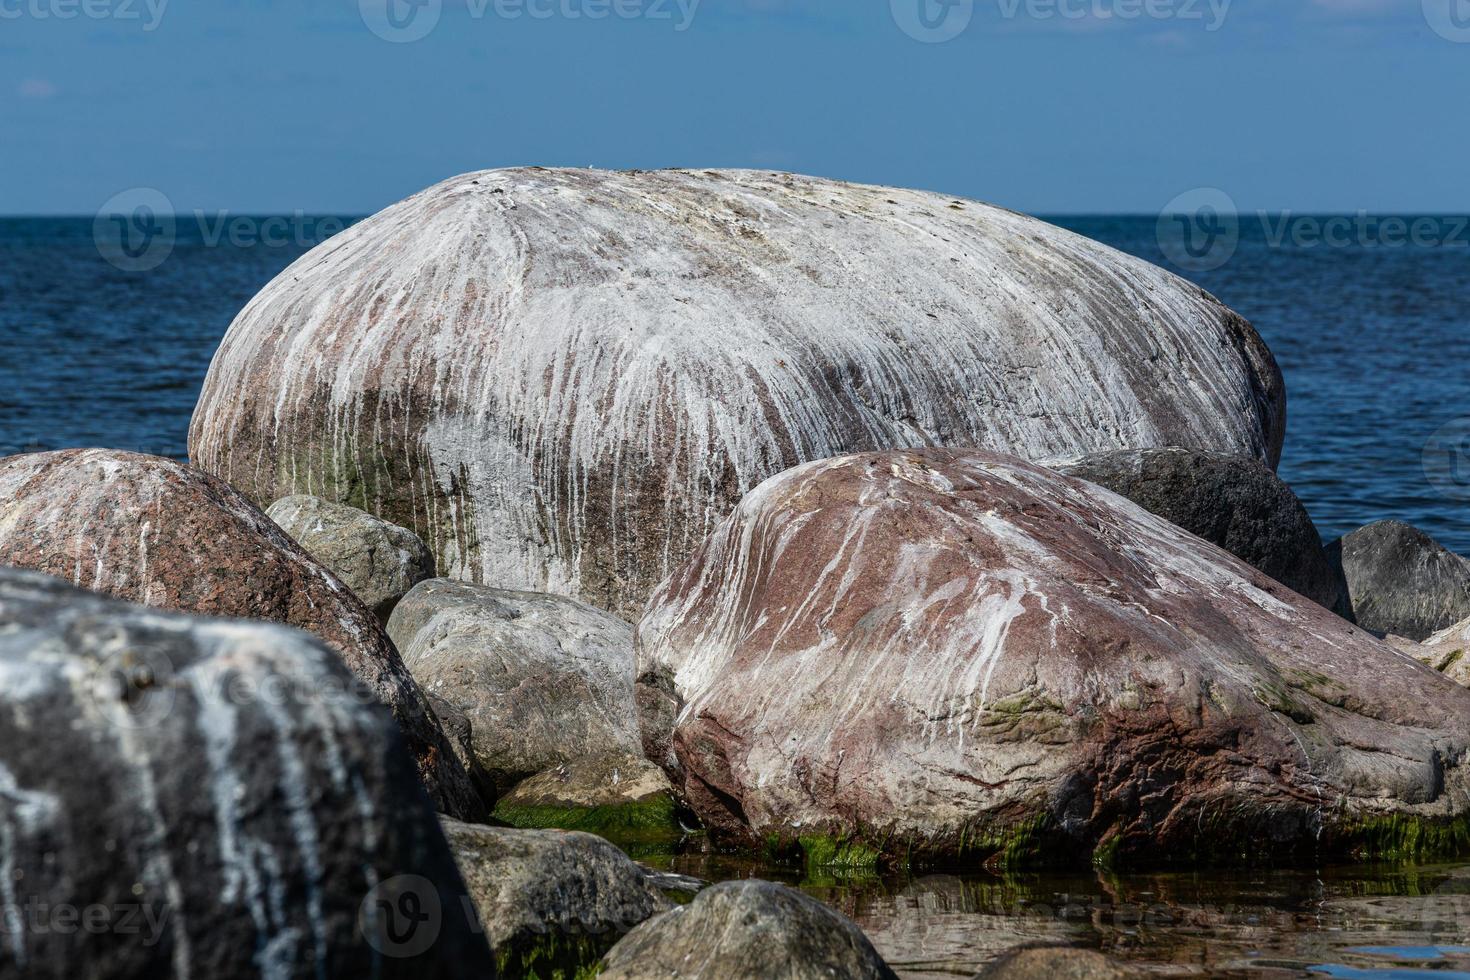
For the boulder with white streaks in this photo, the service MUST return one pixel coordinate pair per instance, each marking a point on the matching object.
(958, 654)
(563, 379)
(184, 797)
(152, 531)
(1232, 501)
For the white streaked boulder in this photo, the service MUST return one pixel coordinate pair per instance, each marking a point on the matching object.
(563, 379)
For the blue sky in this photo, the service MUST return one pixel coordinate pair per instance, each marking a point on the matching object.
(1049, 106)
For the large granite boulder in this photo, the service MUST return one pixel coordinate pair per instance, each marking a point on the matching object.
(543, 679)
(154, 532)
(551, 901)
(562, 379)
(1401, 581)
(191, 797)
(961, 655)
(747, 930)
(378, 561)
(1235, 502)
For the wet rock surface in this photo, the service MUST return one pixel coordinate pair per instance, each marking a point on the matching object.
(208, 800)
(377, 560)
(626, 799)
(1401, 581)
(155, 532)
(563, 379)
(543, 680)
(1057, 964)
(550, 900)
(1235, 502)
(962, 655)
(747, 930)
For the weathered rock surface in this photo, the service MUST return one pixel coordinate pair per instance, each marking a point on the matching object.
(208, 799)
(1233, 501)
(959, 654)
(625, 798)
(562, 379)
(551, 900)
(378, 561)
(154, 532)
(544, 679)
(1445, 651)
(1057, 964)
(1402, 581)
(747, 930)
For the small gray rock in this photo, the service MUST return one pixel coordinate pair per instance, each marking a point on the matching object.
(225, 795)
(378, 561)
(544, 680)
(1235, 502)
(747, 930)
(1401, 581)
(1056, 964)
(551, 899)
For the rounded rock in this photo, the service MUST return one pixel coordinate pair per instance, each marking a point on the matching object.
(155, 532)
(563, 379)
(960, 655)
(380, 562)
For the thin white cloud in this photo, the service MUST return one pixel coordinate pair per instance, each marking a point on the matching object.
(37, 88)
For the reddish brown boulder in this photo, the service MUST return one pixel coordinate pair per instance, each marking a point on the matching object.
(961, 655)
(154, 532)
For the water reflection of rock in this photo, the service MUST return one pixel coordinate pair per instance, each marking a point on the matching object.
(1262, 924)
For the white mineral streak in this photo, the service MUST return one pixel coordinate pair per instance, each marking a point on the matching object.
(24, 815)
(272, 671)
(567, 335)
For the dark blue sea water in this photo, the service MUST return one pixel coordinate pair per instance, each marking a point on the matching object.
(1372, 332)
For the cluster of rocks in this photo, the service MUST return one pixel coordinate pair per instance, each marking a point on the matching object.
(711, 404)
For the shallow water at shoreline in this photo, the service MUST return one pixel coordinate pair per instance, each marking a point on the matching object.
(1390, 921)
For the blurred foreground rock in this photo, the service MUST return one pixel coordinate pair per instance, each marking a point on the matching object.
(206, 798)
